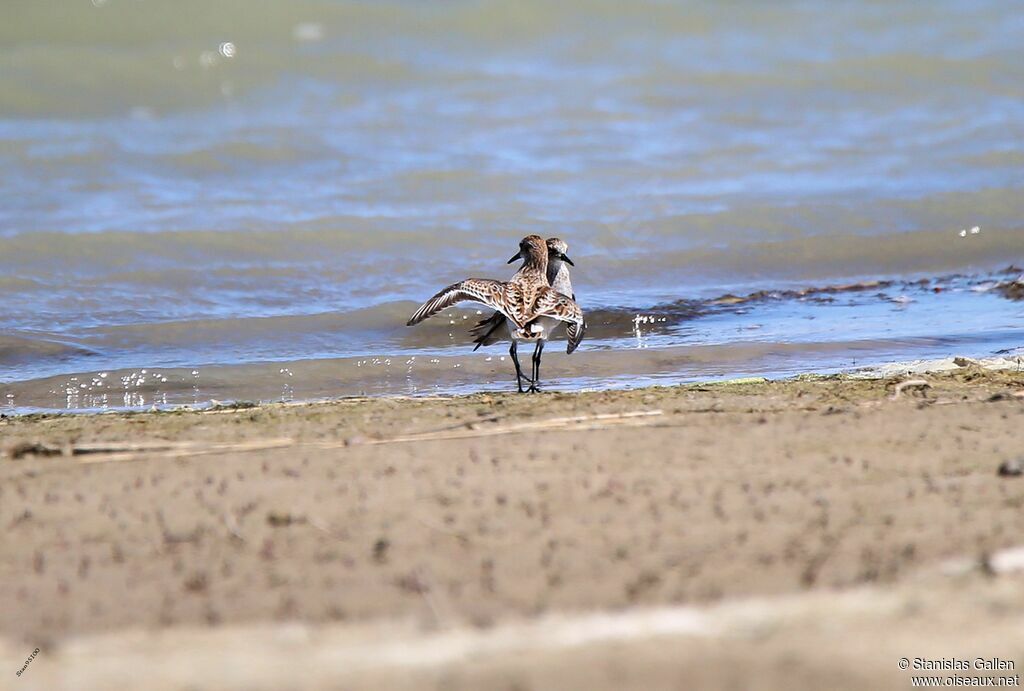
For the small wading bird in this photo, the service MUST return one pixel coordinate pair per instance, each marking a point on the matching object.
(488, 331)
(528, 302)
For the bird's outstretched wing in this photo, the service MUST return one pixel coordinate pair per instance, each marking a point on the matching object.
(481, 290)
(553, 304)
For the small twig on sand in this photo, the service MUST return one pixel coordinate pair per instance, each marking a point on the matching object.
(464, 430)
(578, 422)
(461, 537)
(441, 614)
(231, 523)
(323, 528)
(467, 424)
(135, 452)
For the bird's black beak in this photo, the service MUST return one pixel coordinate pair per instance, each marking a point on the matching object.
(565, 258)
(515, 257)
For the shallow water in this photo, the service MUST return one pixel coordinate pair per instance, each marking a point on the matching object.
(239, 188)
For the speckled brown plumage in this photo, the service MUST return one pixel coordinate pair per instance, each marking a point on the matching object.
(527, 301)
(489, 331)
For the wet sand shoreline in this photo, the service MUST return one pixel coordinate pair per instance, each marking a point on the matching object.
(310, 532)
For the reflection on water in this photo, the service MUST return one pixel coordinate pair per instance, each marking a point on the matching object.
(188, 183)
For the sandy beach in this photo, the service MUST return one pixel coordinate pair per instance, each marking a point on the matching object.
(792, 534)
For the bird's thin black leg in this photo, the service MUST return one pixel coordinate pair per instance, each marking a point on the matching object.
(519, 370)
(537, 351)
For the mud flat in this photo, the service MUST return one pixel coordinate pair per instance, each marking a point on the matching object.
(805, 533)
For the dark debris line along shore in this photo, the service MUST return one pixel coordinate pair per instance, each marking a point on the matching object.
(669, 314)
